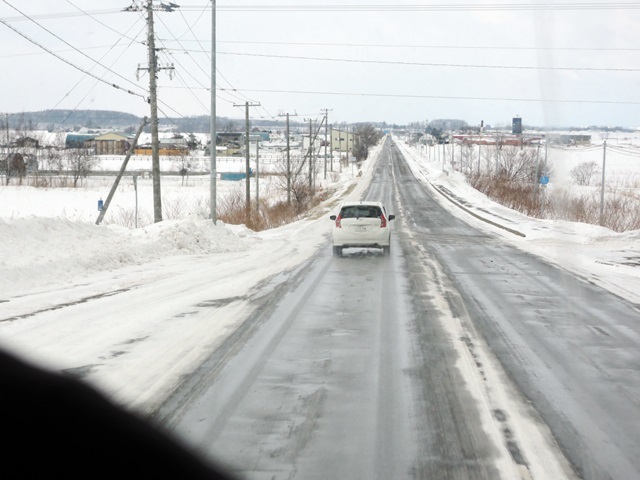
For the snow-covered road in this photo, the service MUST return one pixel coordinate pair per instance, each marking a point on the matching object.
(137, 312)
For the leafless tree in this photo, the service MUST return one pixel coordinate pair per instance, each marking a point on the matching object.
(584, 172)
(79, 163)
(186, 163)
(299, 181)
(515, 164)
(467, 156)
(13, 166)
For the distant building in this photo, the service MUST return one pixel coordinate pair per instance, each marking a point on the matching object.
(112, 144)
(569, 139)
(516, 126)
(80, 140)
(25, 142)
(342, 140)
(168, 147)
(498, 140)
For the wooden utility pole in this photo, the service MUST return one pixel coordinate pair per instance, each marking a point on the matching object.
(604, 162)
(247, 157)
(122, 169)
(213, 175)
(311, 161)
(288, 164)
(339, 149)
(326, 130)
(258, 176)
(288, 134)
(153, 100)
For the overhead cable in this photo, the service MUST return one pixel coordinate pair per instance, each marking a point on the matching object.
(393, 8)
(65, 42)
(72, 64)
(429, 64)
(440, 97)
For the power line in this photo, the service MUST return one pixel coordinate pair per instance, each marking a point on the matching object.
(66, 50)
(564, 6)
(132, 40)
(252, 102)
(66, 43)
(413, 46)
(440, 97)
(207, 74)
(53, 16)
(91, 89)
(459, 7)
(70, 63)
(428, 64)
(624, 151)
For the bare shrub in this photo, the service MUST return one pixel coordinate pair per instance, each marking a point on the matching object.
(232, 209)
(517, 196)
(126, 217)
(173, 208)
(621, 210)
(39, 181)
(202, 206)
(584, 172)
(278, 214)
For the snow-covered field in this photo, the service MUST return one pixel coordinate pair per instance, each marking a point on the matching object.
(52, 250)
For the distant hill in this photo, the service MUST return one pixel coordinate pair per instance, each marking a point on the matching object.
(101, 119)
(126, 122)
(68, 119)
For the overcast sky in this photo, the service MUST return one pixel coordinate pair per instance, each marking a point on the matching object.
(364, 60)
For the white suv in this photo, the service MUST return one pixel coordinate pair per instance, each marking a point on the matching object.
(362, 225)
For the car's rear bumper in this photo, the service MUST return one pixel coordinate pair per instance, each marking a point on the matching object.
(373, 242)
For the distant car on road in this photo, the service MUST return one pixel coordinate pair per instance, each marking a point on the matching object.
(362, 225)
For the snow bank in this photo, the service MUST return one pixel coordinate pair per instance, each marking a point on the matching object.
(39, 251)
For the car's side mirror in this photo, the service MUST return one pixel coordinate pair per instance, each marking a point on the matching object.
(391, 217)
(332, 217)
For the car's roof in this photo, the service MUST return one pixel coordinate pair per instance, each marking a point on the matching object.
(365, 203)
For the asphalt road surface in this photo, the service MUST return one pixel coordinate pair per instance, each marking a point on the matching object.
(423, 364)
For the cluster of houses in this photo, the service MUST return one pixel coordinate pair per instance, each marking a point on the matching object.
(114, 143)
(23, 153)
(500, 138)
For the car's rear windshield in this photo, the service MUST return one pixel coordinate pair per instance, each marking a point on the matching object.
(360, 211)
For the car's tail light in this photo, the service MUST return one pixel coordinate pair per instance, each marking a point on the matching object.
(338, 221)
(383, 222)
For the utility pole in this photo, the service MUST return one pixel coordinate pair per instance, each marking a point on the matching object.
(153, 100)
(604, 161)
(121, 173)
(311, 162)
(288, 134)
(288, 164)
(537, 179)
(339, 149)
(453, 149)
(214, 134)
(326, 129)
(247, 154)
(480, 146)
(7, 125)
(155, 152)
(258, 177)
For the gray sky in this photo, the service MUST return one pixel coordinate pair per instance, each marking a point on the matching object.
(366, 60)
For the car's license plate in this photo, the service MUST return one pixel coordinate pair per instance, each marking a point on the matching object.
(361, 229)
